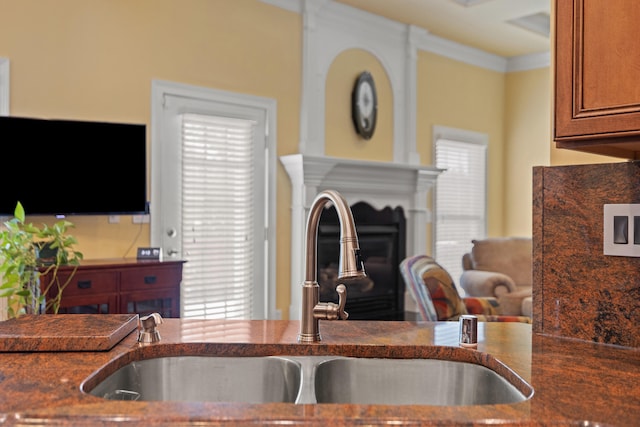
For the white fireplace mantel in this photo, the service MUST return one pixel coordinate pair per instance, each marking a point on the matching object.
(380, 184)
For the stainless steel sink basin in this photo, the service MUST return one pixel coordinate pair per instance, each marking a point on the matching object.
(411, 382)
(201, 378)
(309, 380)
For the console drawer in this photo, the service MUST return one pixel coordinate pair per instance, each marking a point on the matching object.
(84, 282)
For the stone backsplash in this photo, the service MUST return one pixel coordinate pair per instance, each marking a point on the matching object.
(579, 292)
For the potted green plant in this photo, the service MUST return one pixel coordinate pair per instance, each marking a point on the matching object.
(22, 265)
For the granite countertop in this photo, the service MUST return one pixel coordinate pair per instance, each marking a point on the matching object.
(575, 382)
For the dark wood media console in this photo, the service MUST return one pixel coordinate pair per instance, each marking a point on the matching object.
(121, 286)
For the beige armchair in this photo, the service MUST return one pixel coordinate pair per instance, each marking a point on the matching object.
(500, 268)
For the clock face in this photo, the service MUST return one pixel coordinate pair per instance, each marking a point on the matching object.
(364, 105)
(365, 99)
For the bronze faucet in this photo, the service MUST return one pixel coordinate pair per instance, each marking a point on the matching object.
(350, 266)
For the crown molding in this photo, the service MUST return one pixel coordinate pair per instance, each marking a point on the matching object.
(362, 25)
(377, 27)
(529, 62)
(463, 53)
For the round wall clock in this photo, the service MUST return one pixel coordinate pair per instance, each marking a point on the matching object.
(364, 105)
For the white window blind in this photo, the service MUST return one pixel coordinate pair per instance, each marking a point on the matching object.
(460, 202)
(217, 216)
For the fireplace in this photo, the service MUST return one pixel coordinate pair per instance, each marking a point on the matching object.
(381, 235)
(380, 184)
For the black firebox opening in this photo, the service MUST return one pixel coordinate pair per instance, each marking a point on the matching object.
(382, 239)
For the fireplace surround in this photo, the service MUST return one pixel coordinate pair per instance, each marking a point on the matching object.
(379, 184)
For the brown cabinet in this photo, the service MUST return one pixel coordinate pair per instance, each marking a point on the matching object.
(597, 70)
(121, 286)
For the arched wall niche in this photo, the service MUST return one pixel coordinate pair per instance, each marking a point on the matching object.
(340, 135)
(330, 30)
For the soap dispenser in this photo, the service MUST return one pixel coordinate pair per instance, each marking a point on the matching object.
(148, 332)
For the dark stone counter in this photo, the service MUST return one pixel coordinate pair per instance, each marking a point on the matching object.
(575, 382)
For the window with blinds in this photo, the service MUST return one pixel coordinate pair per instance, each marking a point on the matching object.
(460, 201)
(218, 232)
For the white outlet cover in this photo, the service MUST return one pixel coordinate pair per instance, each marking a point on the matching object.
(620, 249)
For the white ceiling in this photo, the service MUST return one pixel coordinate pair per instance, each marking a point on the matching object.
(482, 24)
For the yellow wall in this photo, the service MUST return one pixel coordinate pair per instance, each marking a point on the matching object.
(95, 60)
(561, 157)
(467, 97)
(527, 135)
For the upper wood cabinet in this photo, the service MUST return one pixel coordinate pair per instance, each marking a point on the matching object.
(597, 76)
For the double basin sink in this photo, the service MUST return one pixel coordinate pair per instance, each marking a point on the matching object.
(310, 380)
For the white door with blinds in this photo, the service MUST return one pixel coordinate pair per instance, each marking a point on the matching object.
(210, 206)
(460, 196)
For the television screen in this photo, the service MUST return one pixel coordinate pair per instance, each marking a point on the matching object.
(67, 167)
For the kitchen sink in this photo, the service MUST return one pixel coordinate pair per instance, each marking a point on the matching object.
(203, 378)
(310, 380)
(411, 382)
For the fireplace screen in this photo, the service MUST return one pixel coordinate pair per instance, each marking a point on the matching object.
(381, 235)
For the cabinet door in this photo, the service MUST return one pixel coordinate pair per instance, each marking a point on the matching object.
(166, 302)
(89, 304)
(597, 59)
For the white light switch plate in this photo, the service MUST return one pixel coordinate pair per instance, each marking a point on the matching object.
(620, 249)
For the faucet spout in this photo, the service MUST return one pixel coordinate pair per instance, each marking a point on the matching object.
(350, 266)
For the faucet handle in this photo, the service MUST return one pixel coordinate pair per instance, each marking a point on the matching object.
(331, 310)
(342, 301)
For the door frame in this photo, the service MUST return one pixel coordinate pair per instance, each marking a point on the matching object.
(160, 92)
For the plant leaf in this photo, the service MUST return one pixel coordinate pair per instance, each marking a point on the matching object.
(19, 212)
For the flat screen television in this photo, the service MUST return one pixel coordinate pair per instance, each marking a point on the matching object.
(70, 167)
